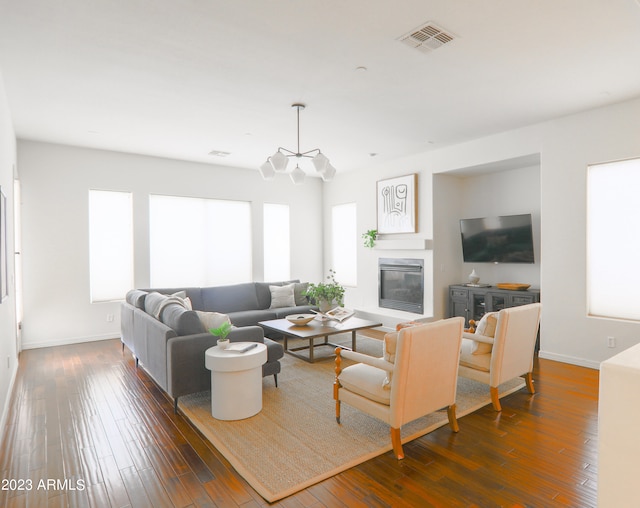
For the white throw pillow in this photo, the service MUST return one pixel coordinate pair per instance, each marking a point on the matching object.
(486, 327)
(212, 320)
(282, 296)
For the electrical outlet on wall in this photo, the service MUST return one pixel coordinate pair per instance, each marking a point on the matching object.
(110, 318)
(611, 341)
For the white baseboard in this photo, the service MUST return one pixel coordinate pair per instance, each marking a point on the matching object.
(7, 403)
(581, 362)
(67, 341)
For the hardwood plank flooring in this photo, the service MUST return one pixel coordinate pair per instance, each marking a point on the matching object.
(85, 416)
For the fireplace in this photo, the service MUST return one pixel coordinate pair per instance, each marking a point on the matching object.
(401, 284)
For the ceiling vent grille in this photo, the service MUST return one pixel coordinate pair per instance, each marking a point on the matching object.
(427, 38)
(219, 153)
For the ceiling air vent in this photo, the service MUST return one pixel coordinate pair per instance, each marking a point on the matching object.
(219, 153)
(427, 37)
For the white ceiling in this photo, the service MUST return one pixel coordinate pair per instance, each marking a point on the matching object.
(182, 78)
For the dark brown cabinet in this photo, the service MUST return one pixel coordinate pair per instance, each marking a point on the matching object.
(472, 302)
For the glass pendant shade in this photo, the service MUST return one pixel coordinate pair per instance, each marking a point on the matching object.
(320, 162)
(266, 170)
(279, 161)
(328, 173)
(297, 175)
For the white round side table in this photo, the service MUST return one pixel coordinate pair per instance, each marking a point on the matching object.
(236, 381)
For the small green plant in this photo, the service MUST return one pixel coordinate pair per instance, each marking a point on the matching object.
(329, 291)
(370, 238)
(222, 331)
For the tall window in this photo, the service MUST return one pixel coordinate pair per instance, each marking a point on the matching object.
(277, 242)
(345, 243)
(198, 242)
(613, 242)
(110, 245)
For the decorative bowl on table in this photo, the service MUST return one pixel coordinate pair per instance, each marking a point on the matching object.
(514, 286)
(300, 319)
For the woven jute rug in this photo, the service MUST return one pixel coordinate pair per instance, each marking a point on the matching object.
(295, 442)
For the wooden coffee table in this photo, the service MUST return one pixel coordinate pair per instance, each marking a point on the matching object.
(315, 329)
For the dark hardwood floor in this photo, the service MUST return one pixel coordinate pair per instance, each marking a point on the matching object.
(86, 428)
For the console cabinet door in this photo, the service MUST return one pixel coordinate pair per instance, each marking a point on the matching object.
(458, 304)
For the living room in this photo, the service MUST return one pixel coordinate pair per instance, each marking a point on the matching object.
(537, 167)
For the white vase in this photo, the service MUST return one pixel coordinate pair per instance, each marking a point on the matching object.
(325, 305)
(222, 344)
(473, 277)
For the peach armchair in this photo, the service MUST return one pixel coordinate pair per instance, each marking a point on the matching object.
(416, 376)
(505, 355)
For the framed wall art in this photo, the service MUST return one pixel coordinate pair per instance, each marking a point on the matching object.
(397, 204)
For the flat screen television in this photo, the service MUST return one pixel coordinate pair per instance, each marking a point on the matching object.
(504, 239)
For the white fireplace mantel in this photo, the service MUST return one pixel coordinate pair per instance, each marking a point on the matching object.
(404, 244)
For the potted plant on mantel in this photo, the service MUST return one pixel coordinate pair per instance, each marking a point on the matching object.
(221, 332)
(370, 238)
(326, 295)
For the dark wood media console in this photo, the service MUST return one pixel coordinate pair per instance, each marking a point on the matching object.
(471, 302)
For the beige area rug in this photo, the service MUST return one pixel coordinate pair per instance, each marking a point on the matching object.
(295, 442)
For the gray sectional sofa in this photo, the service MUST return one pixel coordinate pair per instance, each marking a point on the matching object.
(169, 340)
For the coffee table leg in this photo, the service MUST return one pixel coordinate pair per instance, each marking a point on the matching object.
(353, 340)
(311, 350)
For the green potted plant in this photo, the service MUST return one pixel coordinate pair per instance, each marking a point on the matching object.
(326, 294)
(221, 332)
(370, 238)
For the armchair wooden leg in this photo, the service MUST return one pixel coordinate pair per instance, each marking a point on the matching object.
(529, 380)
(337, 410)
(396, 442)
(495, 399)
(451, 414)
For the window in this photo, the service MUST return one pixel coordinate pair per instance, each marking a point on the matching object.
(613, 209)
(110, 245)
(277, 242)
(345, 243)
(198, 242)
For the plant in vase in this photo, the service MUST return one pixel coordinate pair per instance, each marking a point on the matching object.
(326, 294)
(221, 332)
(370, 238)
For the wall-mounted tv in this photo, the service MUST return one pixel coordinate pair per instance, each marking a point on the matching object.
(504, 239)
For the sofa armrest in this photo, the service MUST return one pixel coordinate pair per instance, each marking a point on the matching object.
(186, 371)
(247, 334)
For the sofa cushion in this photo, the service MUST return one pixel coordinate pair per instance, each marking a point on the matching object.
(263, 293)
(287, 311)
(251, 317)
(136, 298)
(282, 296)
(226, 299)
(181, 320)
(212, 320)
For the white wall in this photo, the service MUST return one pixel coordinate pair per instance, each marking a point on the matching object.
(565, 147)
(55, 186)
(8, 345)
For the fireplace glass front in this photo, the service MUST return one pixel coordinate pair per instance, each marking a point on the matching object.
(401, 284)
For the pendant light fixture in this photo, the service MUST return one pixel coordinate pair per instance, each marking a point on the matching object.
(278, 162)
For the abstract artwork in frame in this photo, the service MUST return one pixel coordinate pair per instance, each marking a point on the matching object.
(397, 204)
(4, 287)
